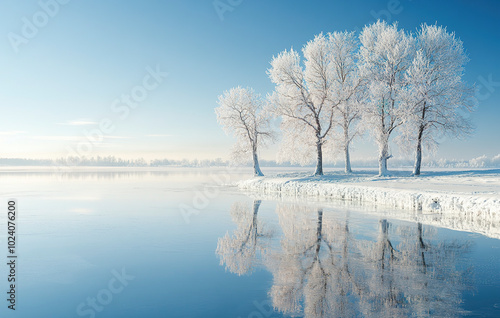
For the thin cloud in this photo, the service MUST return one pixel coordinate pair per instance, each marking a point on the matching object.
(107, 145)
(12, 133)
(58, 138)
(79, 123)
(157, 135)
(74, 138)
(116, 137)
(81, 210)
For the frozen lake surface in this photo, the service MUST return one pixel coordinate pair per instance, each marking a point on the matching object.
(184, 243)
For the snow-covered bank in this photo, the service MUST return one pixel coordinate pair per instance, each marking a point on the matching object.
(475, 192)
(487, 225)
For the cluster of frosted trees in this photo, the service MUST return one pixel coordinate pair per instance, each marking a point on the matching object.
(391, 83)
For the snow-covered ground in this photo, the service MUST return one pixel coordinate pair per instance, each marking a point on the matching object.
(471, 197)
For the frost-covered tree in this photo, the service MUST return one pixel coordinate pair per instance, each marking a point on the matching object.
(436, 92)
(241, 113)
(304, 99)
(385, 55)
(347, 89)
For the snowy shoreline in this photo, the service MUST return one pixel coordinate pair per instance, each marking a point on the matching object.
(474, 192)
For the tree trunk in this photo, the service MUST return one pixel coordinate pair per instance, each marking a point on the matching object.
(256, 167)
(347, 159)
(382, 160)
(418, 155)
(418, 159)
(319, 164)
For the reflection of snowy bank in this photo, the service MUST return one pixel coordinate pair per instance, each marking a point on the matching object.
(467, 201)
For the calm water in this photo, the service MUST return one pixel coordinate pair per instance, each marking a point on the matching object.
(181, 243)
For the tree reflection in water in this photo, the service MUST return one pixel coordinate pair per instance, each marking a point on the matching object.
(322, 269)
(238, 251)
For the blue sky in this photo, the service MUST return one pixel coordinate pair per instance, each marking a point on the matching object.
(63, 80)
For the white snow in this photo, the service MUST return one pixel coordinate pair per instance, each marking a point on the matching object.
(469, 200)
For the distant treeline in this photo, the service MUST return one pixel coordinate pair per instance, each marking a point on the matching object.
(112, 161)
